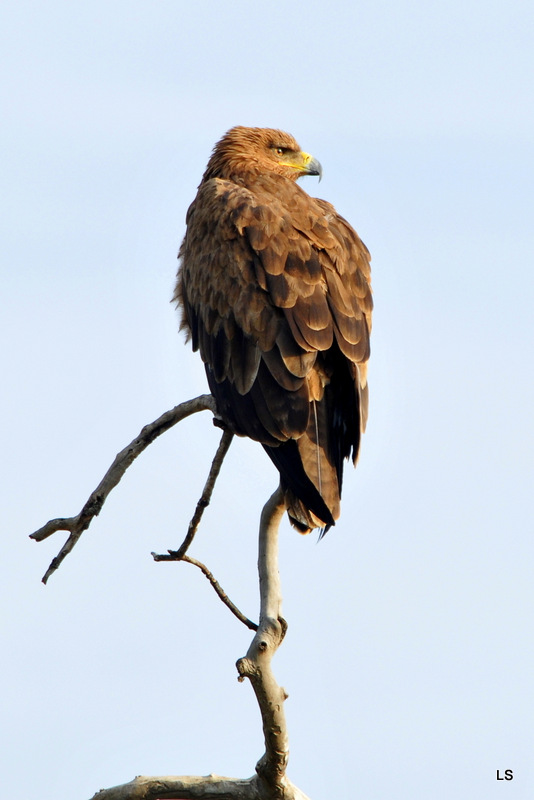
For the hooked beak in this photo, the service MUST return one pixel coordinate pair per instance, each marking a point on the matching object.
(304, 164)
(310, 166)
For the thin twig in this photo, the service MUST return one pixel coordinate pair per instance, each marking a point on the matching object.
(203, 503)
(77, 525)
(220, 591)
(180, 554)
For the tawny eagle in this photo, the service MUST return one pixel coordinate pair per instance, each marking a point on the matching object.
(274, 287)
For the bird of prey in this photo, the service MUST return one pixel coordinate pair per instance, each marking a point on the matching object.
(274, 287)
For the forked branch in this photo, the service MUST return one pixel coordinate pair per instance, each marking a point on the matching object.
(78, 524)
(270, 781)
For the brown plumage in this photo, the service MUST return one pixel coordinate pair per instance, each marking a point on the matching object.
(275, 292)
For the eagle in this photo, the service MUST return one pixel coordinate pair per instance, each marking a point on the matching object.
(274, 290)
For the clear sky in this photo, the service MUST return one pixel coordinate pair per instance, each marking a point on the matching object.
(409, 656)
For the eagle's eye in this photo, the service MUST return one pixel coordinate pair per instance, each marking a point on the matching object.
(280, 151)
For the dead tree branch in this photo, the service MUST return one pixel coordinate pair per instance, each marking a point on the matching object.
(178, 555)
(256, 665)
(221, 593)
(78, 524)
(189, 787)
(270, 781)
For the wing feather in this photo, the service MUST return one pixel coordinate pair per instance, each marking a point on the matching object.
(275, 291)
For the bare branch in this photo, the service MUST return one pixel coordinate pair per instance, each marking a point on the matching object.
(256, 665)
(220, 591)
(270, 781)
(211, 787)
(77, 525)
(180, 554)
(177, 555)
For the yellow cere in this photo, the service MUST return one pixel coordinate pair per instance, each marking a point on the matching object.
(306, 158)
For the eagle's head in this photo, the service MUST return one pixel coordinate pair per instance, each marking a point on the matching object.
(254, 151)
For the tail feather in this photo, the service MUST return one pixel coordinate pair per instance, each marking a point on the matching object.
(311, 465)
(309, 475)
(306, 507)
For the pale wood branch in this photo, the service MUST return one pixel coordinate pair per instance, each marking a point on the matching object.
(211, 787)
(271, 781)
(191, 787)
(78, 524)
(256, 665)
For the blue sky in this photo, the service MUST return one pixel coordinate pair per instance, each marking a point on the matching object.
(409, 657)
